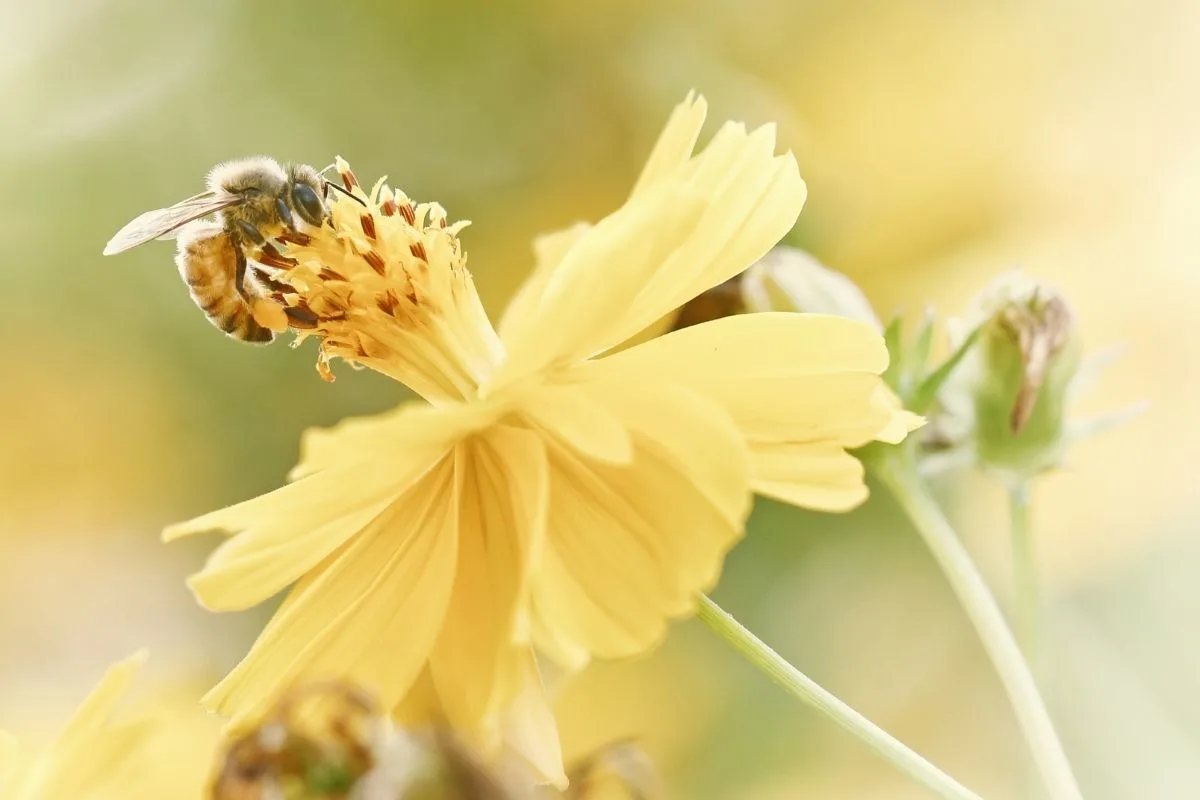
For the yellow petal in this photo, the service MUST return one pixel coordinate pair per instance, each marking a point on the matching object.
(629, 547)
(501, 488)
(801, 388)
(572, 415)
(563, 648)
(752, 199)
(901, 425)
(780, 376)
(676, 143)
(95, 711)
(686, 231)
(821, 476)
(773, 344)
(691, 432)
(529, 728)
(548, 250)
(108, 766)
(368, 615)
(287, 532)
(902, 422)
(673, 148)
(421, 706)
(585, 292)
(410, 426)
(93, 757)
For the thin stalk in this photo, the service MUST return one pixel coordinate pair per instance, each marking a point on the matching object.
(1026, 614)
(1025, 591)
(898, 472)
(809, 691)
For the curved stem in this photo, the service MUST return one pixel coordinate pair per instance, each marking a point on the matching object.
(1026, 615)
(806, 689)
(900, 475)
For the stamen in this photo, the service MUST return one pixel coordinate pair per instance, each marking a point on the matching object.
(301, 317)
(278, 287)
(376, 261)
(387, 302)
(323, 366)
(384, 285)
(387, 202)
(268, 255)
(368, 226)
(294, 237)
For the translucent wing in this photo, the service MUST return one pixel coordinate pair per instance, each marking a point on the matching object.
(162, 221)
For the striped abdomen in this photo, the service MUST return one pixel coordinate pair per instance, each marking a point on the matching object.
(207, 261)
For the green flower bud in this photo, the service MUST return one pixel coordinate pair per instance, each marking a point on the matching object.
(1011, 392)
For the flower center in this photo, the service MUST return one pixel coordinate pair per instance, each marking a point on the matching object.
(384, 284)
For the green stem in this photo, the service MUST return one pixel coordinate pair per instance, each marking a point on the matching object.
(806, 689)
(898, 472)
(1026, 615)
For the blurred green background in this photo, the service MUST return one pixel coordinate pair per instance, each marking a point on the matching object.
(942, 142)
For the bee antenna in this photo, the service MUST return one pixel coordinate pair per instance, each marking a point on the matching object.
(333, 185)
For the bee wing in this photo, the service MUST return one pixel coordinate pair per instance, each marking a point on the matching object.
(160, 222)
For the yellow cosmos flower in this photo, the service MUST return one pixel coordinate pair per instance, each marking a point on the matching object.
(548, 493)
(94, 758)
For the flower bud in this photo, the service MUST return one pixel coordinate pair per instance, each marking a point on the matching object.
(1013, 387)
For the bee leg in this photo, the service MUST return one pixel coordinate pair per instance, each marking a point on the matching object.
(285, 214)
(251, 233)
(239, 273)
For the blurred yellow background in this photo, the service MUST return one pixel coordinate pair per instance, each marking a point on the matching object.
(943, 142)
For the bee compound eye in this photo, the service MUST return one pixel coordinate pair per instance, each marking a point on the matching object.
(308, 204)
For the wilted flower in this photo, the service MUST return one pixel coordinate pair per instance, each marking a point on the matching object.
(1006, 407)
(95, 757)
(788, 279)
(548, 492)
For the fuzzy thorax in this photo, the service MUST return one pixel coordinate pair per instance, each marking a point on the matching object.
(384, 284)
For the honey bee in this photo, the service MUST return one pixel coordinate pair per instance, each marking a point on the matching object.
(251, 201)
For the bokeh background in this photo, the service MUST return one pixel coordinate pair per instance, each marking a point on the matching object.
(942, 142)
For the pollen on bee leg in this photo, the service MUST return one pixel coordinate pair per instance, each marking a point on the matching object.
(270, 315)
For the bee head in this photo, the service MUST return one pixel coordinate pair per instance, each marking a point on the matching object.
(305, 190)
